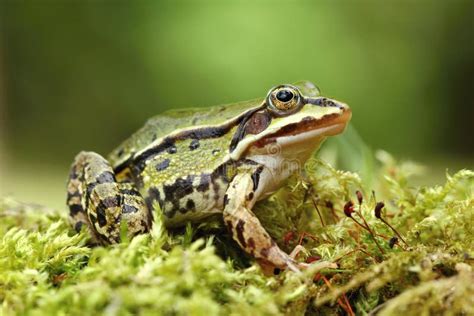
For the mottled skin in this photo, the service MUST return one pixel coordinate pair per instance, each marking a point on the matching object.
(187, 165)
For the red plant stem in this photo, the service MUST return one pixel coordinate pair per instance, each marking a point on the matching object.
(371, 232)
(394, 230)
(368, 254)
(345, 255)
(336, 218)
(303, 235)
(317, 210)
(346, 306)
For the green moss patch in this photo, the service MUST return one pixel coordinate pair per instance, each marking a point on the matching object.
(414, 255)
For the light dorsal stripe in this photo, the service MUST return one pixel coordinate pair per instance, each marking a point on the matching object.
(198, 132)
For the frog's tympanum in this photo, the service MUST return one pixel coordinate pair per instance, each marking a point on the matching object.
(187, 165)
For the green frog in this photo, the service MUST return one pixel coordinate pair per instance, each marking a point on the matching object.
(187, 165)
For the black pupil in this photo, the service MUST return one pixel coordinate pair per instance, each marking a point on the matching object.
(284, 95)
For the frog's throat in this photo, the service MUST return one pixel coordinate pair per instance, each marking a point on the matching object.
(309, 132)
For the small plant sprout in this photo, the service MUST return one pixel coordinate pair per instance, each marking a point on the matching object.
(310, 193)
(360, 198)
(378, 213)
(393, 241)
(349, 210)
(359, 212)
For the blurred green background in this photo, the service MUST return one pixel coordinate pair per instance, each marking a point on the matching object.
(85, 74)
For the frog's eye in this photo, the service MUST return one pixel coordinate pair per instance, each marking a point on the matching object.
(283, 100)
(284, 95)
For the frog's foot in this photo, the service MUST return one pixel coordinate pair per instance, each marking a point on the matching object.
(246, 229)
(296, 251)
(270, 269)
(97, 200)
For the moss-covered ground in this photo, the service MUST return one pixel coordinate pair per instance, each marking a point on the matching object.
(412, 255)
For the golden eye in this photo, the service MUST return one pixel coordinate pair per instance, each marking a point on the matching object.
(283, 100)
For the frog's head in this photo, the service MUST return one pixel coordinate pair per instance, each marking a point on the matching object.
(292, 120)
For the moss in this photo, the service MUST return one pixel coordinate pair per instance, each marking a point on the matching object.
(47, 269)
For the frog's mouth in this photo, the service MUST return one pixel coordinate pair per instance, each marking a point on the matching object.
(308, 128)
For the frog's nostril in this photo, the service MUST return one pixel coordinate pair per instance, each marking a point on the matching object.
(315, 101)
(329, 103)
(324, 102)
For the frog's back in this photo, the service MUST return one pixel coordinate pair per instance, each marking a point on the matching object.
(160, 126)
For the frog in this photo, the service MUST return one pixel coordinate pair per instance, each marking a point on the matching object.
(188, 165)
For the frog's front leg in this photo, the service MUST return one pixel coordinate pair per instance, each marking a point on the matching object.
(246, 228)
(97, 200)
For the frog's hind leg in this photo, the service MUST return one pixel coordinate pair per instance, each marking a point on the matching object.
(97, 200)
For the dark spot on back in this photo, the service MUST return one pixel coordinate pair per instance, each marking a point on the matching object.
(163, 165)
(120, 152)
(276, 271)
(194, 144)
(172, 149)
(139, 162)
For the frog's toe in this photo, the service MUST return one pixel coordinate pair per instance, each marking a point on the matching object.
(296, 251)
